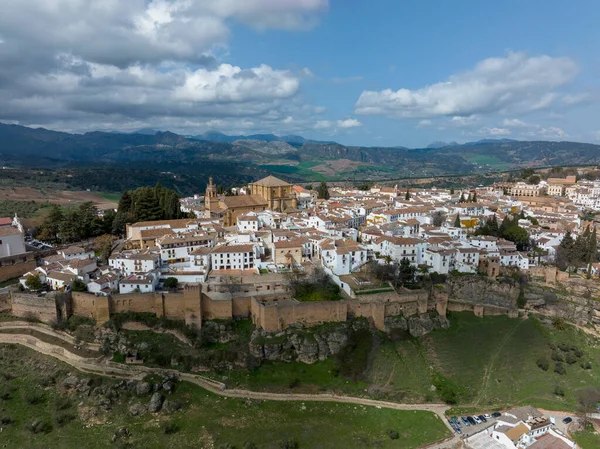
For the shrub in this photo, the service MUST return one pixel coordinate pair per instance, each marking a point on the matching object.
(392, 434)
(62, 403)
(288, 444)
(586, 365)
(30, 316)
(559, 391)
(552, 346)
(543, 363)
(6, 420)
(34, 397)
(571, 358)
(559, 324)
(578, 352)
(40, 426)
(5, 396)
(249, 445)
(559, 368)
(557, 356)
(170, 283)
(295, 383)
(64, 418)
(75, 321)
(169, 428)
(564, 347)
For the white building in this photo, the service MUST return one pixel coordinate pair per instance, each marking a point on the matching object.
(233, 257)
(129, 263)
(12, 242)
(142, 283)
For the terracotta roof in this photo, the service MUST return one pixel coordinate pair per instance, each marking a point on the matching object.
(244, 201)
(548, 441)
(72, 250)
(295, 243)
(9, 230)
(271, 181)
(5, 221)
(67, 278)
(180, 223)
(153, 233)
(517, 432)
(233, 249)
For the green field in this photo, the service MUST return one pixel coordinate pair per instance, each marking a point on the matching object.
(587, 439)
(485, 362)
(486, 159)
(31, 390)
(110, 196)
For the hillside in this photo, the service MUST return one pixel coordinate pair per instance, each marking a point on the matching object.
(246, 157)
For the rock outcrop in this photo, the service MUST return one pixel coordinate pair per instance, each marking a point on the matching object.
(417, 325)
(302, 344)
(480, 290)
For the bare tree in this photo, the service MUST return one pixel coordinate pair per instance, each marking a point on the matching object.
(587, 400)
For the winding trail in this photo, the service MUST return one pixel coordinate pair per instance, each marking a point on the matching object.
(100, 366)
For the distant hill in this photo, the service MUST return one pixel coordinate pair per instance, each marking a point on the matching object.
(439, 144)
(248, 157)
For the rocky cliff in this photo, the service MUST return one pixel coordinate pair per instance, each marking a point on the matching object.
(576, 300)
(417, 325)
(481, 290)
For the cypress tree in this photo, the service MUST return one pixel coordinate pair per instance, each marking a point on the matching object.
(125, 203)
(457, 221)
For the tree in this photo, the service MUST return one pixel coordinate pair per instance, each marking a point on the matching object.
(308, 187)
(533, 179)
(171, 283)
(527, 172)
(564, 252)
(365, 186)
(323, 191)
(457, 221)
(452, 191)
(587, 400)
(474, 199)
(50, 228)
(78, 286)
(125, 203)
(407, 195)
(438, 218)
(406, 272)
(517, 235)
(33, 282)
(103, 246)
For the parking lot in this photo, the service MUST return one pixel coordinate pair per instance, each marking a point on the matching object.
(471, 425)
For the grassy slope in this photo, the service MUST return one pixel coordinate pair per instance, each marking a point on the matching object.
(491, 360)
(588, 439)
(205, 419)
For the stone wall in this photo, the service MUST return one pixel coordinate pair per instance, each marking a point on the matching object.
(475, 289)
(5, 302)
(16, 266)
(41, 307)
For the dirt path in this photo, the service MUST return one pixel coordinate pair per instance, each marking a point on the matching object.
(136, 326)
(115, 370)
(488, 369)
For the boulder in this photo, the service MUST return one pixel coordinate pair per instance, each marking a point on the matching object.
(143, 388)
(168, 386)
(170, 406)
(156, 402)
(71, 382)
(137, 409)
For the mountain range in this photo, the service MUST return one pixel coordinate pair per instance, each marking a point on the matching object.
(245, 157)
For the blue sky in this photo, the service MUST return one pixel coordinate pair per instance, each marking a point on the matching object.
(377, 72)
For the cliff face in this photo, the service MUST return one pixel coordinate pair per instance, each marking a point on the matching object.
(479, 290)
(575, 300)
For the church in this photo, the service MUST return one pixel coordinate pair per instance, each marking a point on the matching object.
(268, 193)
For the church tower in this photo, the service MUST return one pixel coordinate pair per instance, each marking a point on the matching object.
(210, 197)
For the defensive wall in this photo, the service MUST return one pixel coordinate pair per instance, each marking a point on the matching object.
(271, 307)
(16, 266)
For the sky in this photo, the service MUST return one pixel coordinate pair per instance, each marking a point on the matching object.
(360, 72)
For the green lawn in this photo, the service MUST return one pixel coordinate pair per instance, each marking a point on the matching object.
(587, 439)
(110, 196)
(206, 420)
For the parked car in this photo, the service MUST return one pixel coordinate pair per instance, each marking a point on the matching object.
(476, 419)
(482, 418)
(487, 416)
(567, 420)
(457, 428)
(496, 415)
(465, 420)
(471, 420)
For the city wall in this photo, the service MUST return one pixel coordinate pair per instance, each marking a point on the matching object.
(271, 309)
(16, 266)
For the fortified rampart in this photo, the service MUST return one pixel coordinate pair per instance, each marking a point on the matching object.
(270, 307)
(15, 266)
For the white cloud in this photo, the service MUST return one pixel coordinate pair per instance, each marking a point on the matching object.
(515, 83)
(495, 131)
(323, 124)
(551, 132)
(93, 63)
(349, 123)
(289, 119)
(424, 123)
(462, 122)
(516, 123)
(334, 125)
